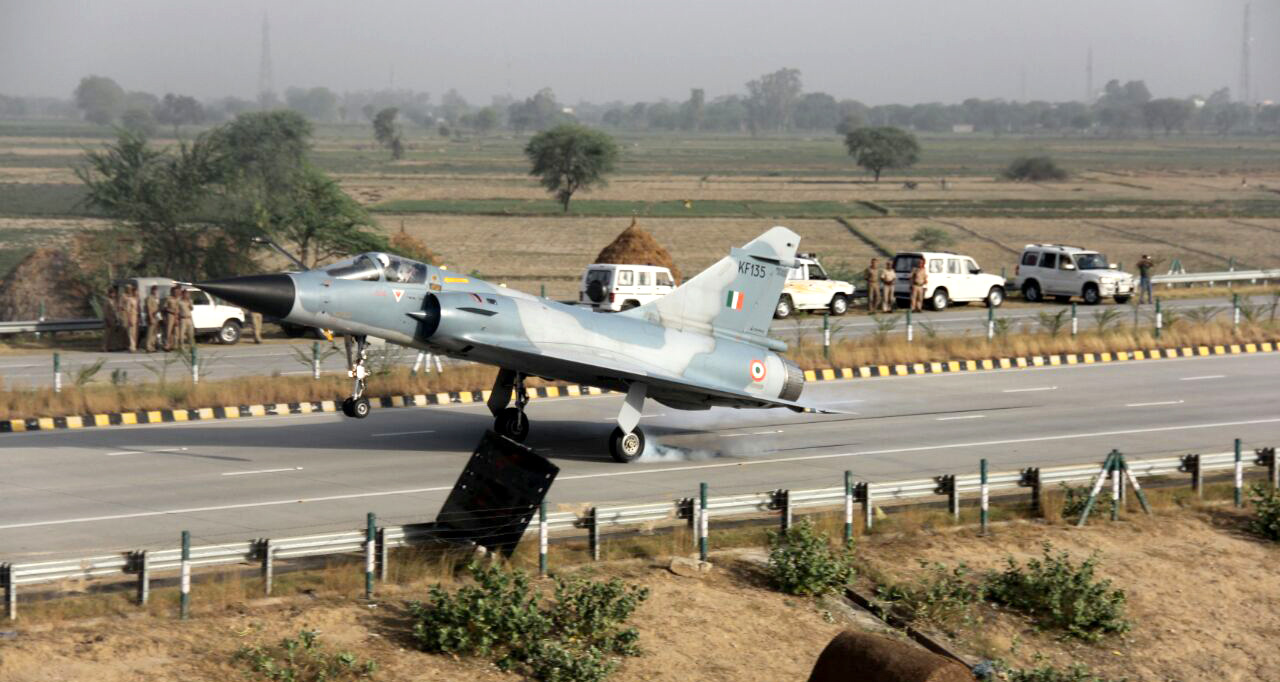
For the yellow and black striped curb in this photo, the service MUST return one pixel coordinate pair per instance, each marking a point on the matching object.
(1058, 360)
(573, 390)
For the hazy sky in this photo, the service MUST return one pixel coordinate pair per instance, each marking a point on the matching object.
(886, 51)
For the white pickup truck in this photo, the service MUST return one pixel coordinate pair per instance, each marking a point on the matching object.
(210, 317)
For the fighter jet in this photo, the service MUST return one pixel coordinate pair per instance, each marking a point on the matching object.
(704, 345)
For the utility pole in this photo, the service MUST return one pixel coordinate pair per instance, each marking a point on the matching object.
(266, 84)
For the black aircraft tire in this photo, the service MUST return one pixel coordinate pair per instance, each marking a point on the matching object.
(346, 407)
(626, 447)
(513, 424)
(360, 408)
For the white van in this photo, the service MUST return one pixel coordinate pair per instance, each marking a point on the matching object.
(612, 287)
(951, 277)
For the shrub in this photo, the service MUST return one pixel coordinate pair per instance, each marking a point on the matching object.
(302, 659)
(1057, 593)
(1266, 514)
(1073, 500)
(802, 562)
(932, 239)
(576, 636)
(1076, 672)
(1034, 169)
(941, 596)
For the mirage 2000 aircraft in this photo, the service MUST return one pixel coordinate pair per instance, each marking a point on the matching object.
(703, 345)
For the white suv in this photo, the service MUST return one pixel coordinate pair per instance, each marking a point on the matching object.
(1066, 271)
(808, 287)
(611, 287)
(952, 277)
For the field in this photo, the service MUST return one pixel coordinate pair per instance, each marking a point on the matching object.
(1208, 202)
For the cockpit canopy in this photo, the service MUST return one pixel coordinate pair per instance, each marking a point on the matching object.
(375, 267)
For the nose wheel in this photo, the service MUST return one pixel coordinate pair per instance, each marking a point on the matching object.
(512, 421)
(626, 446)
(357, 405)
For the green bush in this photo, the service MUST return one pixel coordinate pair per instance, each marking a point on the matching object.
(1266, 512)
(575, 636)
(940, 595)
(302, 659)
(1073, 500)
(1034, 169)
(802, 562)
(1059, 594)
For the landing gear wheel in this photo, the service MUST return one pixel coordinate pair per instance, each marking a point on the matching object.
(513, 424)
(357, 405)
(360, 408)
(346, 407)
(626, 447)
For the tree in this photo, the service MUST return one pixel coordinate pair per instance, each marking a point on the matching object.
(1034, 169)
(179, 110)
(1167, 113)
(570, 157)
(771, 100)
(932, 239)
(486, 120)
(321, 222)
(850, 122)
(139, 122)
(882, 147)
(100, 99)
(535, 113)
(693, 111)
(453, 107)
(387, 133)
(317, 104)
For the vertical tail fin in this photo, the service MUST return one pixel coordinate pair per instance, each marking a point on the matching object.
(736, 295)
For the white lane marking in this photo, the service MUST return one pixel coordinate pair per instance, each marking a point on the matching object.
(643, 416)
(400, 433)
(753, 433)
(967, 416)
(1207, 376)
(260, 471)
(642, 472)
(1162, 402)
(144, 452)
(762, 433)
(1028, 390)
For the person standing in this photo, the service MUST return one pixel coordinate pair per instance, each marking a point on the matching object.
(172, 315)
(887, 279)
(109, 319)
(255, 321)
(151, 308)
(919, 280)
(186, 328)
(872, 276)
(1144, 278)
(129, 316)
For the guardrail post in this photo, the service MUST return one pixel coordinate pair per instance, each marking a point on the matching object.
(10, 592)
(542, 538)
(57, 372)
(1075, 321)
(384, 556)
(1116, 487)
(1191, 464)
(782, 499)
(826, 336)
(315, 359)
(910, 327)
(1235, 310)
(40, 318)
(370, 552)
(953, 495)
(868, 505)
(1239, 478)
(984, 496)
(268, 566)
(1267, 458)
(848, 508)
(991, 323)
(144, 578)
(703, 526)
(1031, 479)
(1159, 319)
(184, 600)
(195, 365)
(594, 529)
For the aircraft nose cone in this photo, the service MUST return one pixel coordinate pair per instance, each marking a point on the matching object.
(267, 294)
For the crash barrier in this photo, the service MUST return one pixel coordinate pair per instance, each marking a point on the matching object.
(1211, 278)
(38, 326)
(374, 543)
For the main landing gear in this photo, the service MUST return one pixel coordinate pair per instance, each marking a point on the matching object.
(626, 443)
(358, 405)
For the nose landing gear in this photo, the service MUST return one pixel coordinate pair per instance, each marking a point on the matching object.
(509, 421)
(358, 405)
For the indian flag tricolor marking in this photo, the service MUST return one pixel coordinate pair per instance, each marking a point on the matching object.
(734, 300)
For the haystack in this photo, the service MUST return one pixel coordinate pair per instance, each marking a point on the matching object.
(47, 275)
(635, 246)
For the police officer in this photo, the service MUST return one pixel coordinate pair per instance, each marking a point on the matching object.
(887, 278)
(186, 328)
(919, 278)
(1144, 278)
(172, 315)
(872, 276)
(109, 318)
(255, 321)
(151, 308)
(129, 316)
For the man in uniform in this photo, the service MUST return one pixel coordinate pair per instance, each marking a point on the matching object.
(151, 308)
(186, 328)
(129, 316)
(887, 278)
(1144, 278)
(172, 314)
(872, 276)
(109, 319)
(255, 321)
(919, 278)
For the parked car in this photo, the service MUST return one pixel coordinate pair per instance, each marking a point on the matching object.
(210, 317)
(612, 287)
(808, 287)
(952, 278)
(1065, 271)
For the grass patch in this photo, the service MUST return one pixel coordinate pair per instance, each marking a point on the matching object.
(1084, 208)
(710, 208)
(43, 200)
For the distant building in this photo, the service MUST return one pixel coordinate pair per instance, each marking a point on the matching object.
(962, 128)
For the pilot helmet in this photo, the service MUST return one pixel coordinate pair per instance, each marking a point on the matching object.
(382, 259)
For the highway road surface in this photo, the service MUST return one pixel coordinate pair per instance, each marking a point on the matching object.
(75, 493)
(248, 359)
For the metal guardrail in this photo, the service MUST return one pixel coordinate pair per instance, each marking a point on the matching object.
(143, 563)
(25, 326)
(1212, 277)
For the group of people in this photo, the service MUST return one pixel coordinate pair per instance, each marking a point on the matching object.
(165, 322)
(880, 283)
